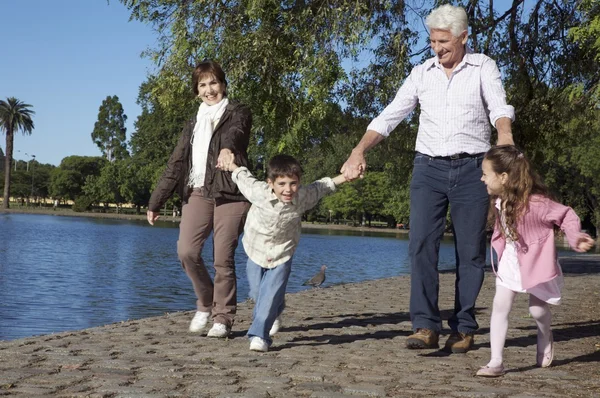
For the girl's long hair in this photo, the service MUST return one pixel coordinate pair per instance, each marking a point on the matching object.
(522, 182)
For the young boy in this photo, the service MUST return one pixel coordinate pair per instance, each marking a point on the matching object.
(271, 235)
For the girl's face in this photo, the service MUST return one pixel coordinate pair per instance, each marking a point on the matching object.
(493, 181)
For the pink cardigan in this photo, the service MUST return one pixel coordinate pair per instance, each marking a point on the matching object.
(536, 249)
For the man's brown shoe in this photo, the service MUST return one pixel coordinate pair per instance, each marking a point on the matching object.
(423, 338)
(459, 343)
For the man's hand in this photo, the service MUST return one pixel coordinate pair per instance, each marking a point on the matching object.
(152, 216)
(585, 243)
(355, 166)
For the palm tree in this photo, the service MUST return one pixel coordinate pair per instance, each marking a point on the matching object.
(15, 115)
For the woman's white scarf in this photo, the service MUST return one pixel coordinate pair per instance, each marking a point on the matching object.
(206, 120)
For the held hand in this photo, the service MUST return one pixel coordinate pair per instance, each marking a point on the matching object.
(354, 167)
(225, 157)
(585, 243)
(226, 160)
(152, 216)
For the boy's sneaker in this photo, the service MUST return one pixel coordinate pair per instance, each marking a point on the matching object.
(258, 344)
(199, 321)
(276, 326)
(219, 330)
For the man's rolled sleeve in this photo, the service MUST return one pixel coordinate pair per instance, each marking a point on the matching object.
(494, 94)
(403, 104)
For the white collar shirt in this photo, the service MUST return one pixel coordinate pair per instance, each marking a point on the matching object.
(272, 229)
(455, 110)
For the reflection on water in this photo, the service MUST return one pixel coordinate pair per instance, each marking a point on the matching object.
(67, 273)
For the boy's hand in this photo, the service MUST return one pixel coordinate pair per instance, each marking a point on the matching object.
(339, 179)
(585, 243)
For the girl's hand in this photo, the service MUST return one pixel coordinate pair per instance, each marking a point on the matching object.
(585, 243)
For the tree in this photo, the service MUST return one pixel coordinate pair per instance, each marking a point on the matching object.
(67, 180)
(15, 115)
(283, 58)
(110, 131)
(315, 73)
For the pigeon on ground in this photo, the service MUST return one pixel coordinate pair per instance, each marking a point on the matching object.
(318, 279)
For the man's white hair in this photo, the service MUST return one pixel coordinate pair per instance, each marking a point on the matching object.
(448, 17)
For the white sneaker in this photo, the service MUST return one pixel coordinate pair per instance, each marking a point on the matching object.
(219, 330)
(278, 324)
(199, 321)
(258, 344)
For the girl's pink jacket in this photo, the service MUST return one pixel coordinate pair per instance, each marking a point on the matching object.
(536, 249)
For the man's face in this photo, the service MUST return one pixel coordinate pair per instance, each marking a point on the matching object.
(450, 50)
(285, 188)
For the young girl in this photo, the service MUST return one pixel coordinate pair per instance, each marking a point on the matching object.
(524, 218)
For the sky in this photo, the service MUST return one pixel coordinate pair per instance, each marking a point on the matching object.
(64, 57)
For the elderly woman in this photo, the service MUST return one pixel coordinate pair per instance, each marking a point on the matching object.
(211, 201)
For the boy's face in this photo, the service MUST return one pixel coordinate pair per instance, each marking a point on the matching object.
(285, 187)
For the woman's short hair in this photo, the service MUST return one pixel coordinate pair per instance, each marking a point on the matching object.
(205, 69)
(448, 17)
(283, 166)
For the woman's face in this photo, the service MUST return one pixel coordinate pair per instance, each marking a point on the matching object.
(210, 90)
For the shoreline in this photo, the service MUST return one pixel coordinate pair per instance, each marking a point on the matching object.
(339, 341)
(142, 217)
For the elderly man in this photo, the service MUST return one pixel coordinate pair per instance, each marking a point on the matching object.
(458, 92)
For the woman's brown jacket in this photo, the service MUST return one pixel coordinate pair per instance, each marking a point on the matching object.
(232, 132)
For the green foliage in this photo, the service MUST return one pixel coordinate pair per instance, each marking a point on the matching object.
(110, 131)
(105, 187)
(82, 203)
(68, 179)
(283, 59)
(157, 129)
(361, 199)
(315, 73)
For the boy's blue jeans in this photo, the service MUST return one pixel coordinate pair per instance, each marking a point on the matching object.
(267, 289)
(437, 183)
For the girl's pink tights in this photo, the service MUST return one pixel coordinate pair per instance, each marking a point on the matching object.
(503, 301)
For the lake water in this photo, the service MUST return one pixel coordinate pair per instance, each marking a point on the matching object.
(66, 273)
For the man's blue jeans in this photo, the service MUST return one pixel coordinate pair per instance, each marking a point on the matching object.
(267, 289)
(437, 183)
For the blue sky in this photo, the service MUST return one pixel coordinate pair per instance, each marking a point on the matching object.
(64, 57)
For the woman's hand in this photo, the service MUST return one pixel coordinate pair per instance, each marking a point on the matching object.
(225, 157)
(152, 216)
(585, 243)
(226, 160)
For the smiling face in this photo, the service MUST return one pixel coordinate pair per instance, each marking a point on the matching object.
(493, 181)
(210, 90)
(285, 187)
(449, 49)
